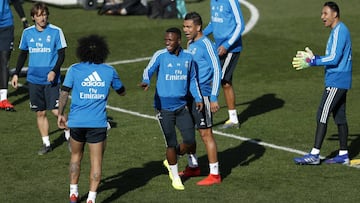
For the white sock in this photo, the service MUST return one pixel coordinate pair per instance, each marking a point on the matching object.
(233, 116)
(342, 152)
(91, 196)
(315, 151)
(67, 134)
(214, 168)
(74, 190)
(46, 140)
(3, 94)
(192, 161)
(174, 171)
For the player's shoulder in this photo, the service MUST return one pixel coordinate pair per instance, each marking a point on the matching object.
(160, 52)
(186, 52)
(29, 29)
(54, 27)
(74, 66)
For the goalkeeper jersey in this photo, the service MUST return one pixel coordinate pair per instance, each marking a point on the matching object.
(6, 17)
(207, 67)
(226, 24)
(176, 77)
(43, 47)
(337, 59)
(90, 84)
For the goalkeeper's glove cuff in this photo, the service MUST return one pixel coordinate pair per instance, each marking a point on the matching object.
(312, 61)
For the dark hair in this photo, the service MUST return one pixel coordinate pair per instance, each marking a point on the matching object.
(195, 17)
(39, 6)
(175, 30)
(93, 49)
(333, 6)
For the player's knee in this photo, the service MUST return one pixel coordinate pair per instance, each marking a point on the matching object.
(341, 121)
(226, 83)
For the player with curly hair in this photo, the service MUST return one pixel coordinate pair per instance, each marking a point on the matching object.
(89, 82)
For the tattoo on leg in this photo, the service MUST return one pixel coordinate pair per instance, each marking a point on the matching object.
(74, 170)
(96, 177)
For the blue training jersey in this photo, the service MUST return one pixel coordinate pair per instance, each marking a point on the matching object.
(337, 59)
(6, 17)
(207, 67)
(226, 24)
(90, 84)
(176, 76)
(43, 47)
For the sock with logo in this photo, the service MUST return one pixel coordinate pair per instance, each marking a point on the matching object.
(74, 190)
(192, 161)
(214, 168)
(91, 196)
(233, 116)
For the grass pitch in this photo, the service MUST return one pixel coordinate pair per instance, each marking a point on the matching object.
(276, 106)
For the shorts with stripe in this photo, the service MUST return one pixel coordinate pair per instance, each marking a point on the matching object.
(333, 101)
(180, 118)
(203, 119)
(228, 64)
(89, 135)
(44, 97)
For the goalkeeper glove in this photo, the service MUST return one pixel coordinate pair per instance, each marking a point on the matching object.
(301, 60)
(304, 59)
(308, 50)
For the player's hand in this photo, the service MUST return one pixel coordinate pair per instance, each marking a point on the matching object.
(199, 106)
(222, 50)
(25, 24)
(214, 106)
(62, 122)
(51, 76)
(14, 81)
(301, 60)
(143, 85)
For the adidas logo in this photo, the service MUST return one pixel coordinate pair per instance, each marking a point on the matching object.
(93, 80)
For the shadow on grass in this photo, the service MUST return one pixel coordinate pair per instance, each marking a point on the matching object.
(20, 91)
(354, 146)
(241, 155)
(59, 140)
(129, 180)
(260, 105)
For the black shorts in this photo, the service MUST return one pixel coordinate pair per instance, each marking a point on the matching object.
(7, 38)
(180, 118)
(44, 97)
(333, 101)
(203, 119)
(89, 135)
(228, 64)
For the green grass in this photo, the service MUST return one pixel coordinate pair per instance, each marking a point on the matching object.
(276, 104)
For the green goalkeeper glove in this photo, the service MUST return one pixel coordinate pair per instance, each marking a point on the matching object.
(311, 54)
(300, 60)
(303, 59)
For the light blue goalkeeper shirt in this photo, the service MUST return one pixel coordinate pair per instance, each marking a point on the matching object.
(176, 77)
(226, 24)
(337, 59)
